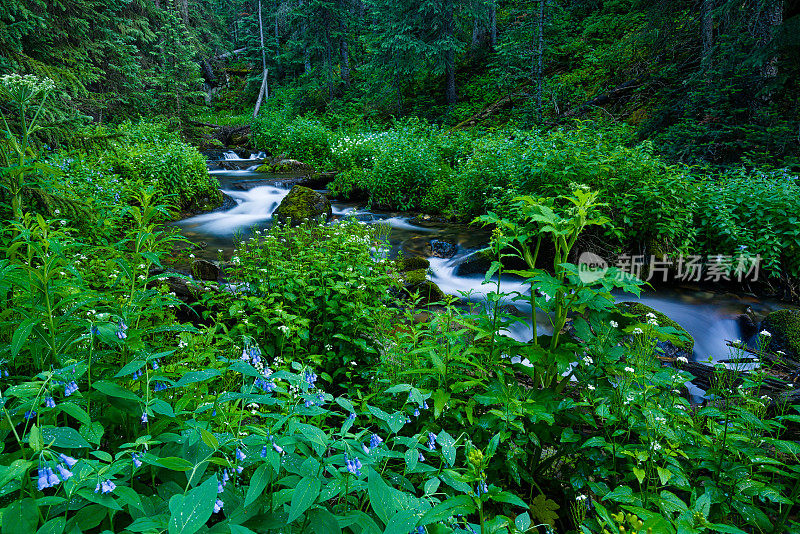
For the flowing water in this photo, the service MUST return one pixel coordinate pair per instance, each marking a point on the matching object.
(709, 317)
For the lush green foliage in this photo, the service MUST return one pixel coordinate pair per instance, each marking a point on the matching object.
(117, 416)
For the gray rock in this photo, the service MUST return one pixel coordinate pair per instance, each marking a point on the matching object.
(443, 249)
(205, 270)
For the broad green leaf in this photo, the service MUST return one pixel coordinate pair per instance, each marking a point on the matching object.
(380, 496)
(54, 526)
(322, 521)
(305, 494)
(20, 517)
(258, 482)
(21, 335)
(113, 390)
(460, 504)
(190, 512)
(65, 437)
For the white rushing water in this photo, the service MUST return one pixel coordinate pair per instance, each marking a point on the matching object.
(252, 207)
(710, 318)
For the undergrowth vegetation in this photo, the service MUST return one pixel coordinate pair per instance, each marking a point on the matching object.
(304, 395)
(654, 207)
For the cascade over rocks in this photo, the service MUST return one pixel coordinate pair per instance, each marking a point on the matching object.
(303, 203)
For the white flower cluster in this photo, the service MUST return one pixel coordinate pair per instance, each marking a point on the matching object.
(22, 88)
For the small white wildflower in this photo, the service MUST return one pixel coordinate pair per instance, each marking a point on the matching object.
(682, 359)
(630, 370)
(328, 347)
(656, 446)
(581, 498)
(57, 212)
(637, 330)
(765, 333)
(614, 324)
(284, 329)
(191, 256)
(590, 387)
(737, 341)
(588, 360)
(651, 315)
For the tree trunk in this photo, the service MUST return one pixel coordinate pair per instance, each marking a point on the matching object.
(707, 31)
(476, 32)
(261, 34)
(345, 52)
(449, 54)
(328, 53)
(263, 93)
(769, 19)
(183, 7)
(304, 34)
(538, 58)
(493, 24)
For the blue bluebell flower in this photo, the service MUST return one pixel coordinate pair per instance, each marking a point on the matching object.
(70, 388)
(30, 414)
(121, 330)
(49, 402)
(432, 441)
(240, 455)
(374, 441)
(352, 416)
(69, 460)
(421, 458)
(106, 486)
(137, 462)
(482, 488)
(218, 506)
(63, 471)
(264, 452)
(144, 417)
(310, 377)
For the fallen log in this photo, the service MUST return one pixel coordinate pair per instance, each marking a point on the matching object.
(602, 99)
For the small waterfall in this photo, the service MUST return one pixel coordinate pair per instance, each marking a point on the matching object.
(253, 207)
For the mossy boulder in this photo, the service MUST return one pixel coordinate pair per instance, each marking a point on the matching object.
(412, 264)
(414, 277)
(784, 325)
(205, 270)
(680, 344)
(285, 165)
(303, 204)
(428, 291)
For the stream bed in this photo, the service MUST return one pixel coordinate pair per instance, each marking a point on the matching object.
(711, 318)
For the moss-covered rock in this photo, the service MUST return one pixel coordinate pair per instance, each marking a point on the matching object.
(414, 277)
(428, 291)
(412, 264)
(681, 344)
(784, 325)
(303, 204)
(285, 165)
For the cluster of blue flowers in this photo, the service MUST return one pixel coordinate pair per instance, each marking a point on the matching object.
(105, 486)
(267, 385)
(482, 488)
(137, 459)
(431, 441)
(353, 466)
(49, 402)
(121, 328)
(48, 478)
(251, 353)
(3, 372)
(70, 388)
(139, 373)
(30, 414)
(160, 386)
